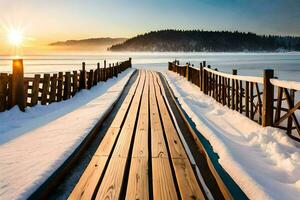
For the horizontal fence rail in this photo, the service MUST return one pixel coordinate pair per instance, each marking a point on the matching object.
(15, 89)
(265, 100)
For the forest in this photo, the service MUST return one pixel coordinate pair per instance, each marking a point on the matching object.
(207, 41)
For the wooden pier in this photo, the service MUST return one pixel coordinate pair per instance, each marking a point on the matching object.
(141, 155)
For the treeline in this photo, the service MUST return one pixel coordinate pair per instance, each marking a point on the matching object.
(199, 40)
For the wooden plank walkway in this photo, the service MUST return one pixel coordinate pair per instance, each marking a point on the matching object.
(141, 156)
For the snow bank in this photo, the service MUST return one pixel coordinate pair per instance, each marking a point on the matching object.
(35, 143)
(264, 162)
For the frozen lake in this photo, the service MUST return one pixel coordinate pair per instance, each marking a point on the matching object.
(286, 65)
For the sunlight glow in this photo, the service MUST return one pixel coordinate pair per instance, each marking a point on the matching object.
(15, 37)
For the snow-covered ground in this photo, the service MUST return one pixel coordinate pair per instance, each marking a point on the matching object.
(35, 143)
(264, 162)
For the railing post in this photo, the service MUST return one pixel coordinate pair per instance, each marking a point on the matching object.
(98, 72)
(187, 71)
(205, 79)
(234, 72)
(130, 64)
(105, 76)
(18, 84)
(268, 99)
(82, 82)
(201, 77)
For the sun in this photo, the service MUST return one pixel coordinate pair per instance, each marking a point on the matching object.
(15, 37)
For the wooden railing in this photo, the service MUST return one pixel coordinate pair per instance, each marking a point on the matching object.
(252, 96)
(15, 89)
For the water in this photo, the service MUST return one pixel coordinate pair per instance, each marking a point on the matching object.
(286, 65)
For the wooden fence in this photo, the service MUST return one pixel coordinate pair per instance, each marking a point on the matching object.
(266, 100)
(15, 89)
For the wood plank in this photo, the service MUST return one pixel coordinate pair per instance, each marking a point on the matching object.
(158, 146)
(74, 83)
(107, 142)
(117, 122)
(279, 102)
(111, 185)
(247, 99)
(174, 143)
(53, 86)
(123, 143)
(186, 179)
(9, 97)
(26, 83)
(45, 89)
(85, 188)
(138, 186)
(67, 86)
(35, 90)
(59, 86)
(138, 183)
(3, 91)
(140, 147)
(163, 182)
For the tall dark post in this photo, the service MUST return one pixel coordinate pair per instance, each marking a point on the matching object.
(130, 64)
(82, 82)
(234, 72)
(117, 69)
(98, 72)
(205, 79)
(268, 99)
(201, 77)
(18, 84)
(169, 66)
(187, 71)
(109, 70)
(105, 76)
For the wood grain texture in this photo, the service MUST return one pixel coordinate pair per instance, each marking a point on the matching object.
(87, 184)
(140, 147)
(117, 171)
(106, 145)
(112, 182)
(125, 137)
(158, 146)
(186, 179)
(120, 116)
(138, 181)
(175, 146)
(163, 183)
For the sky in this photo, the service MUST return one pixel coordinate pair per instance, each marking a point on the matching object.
(44, 21)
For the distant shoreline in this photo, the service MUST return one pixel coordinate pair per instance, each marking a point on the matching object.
(95, 53)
